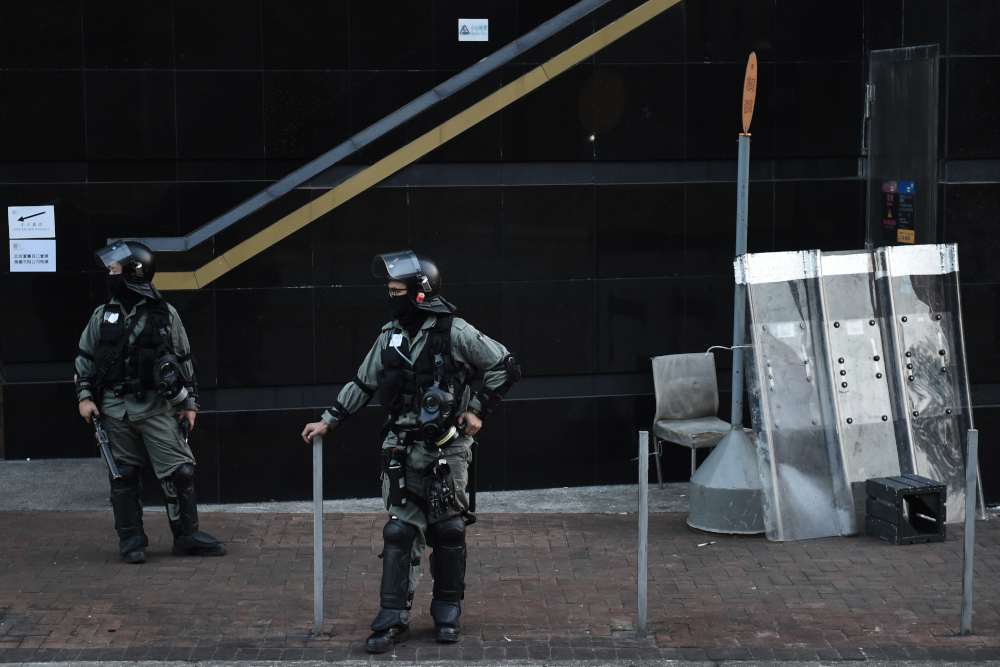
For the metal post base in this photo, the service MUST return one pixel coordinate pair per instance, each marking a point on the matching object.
(725, 492)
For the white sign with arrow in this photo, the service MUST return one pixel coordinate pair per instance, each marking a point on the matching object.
(31, 222)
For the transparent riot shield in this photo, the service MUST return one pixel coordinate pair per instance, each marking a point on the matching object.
(861, 382)
(804, 472)
(901, 144)
(919, 291)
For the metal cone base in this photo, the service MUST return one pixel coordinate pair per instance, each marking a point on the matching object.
(725, 491)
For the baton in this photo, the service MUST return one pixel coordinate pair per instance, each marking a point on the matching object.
(102, 442)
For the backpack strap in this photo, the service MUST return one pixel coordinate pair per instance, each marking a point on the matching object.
(440, 350)
(160, 315)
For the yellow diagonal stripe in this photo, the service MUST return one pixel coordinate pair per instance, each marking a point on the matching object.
(411, 152)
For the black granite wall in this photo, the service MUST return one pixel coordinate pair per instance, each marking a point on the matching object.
(588, 226)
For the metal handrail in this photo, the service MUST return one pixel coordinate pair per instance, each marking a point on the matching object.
(373, 132)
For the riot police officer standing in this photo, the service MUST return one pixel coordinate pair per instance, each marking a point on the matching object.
(134, 367)
(422, 366)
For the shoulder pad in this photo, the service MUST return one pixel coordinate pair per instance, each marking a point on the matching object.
(459, 323)
(99, 310)
(387, 326)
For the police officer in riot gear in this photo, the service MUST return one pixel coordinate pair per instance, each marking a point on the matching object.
(422, 366)
(134, 367)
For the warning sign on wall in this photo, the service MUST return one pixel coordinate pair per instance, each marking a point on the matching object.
(897, 211)
(32, 255)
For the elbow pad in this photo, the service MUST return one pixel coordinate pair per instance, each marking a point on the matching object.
(489, 398)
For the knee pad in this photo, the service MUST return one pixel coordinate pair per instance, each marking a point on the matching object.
(448, 559)
(183, 477)
(397, 532)
(129, 478)
(447, 533)
(398, 538)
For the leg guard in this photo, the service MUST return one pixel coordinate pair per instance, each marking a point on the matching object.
(448, 569)
(188, 540)
(448, 558)
(127, 509)
(392, 624)
(187, 503)
(398, 538)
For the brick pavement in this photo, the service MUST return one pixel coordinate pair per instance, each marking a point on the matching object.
(540, 587)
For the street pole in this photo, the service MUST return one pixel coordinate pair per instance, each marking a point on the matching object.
(742, 201)
(739, 301)
(971, 474)
(318, 534)
(640, 620)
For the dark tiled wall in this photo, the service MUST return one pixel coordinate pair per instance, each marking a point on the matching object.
(151, 119)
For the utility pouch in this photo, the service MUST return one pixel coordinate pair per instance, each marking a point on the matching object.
(394, 465)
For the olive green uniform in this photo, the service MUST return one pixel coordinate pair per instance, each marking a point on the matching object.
(470, 350)
(137, 429)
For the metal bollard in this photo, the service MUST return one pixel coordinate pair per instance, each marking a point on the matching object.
(971, 474)
(640, 631)
(318, 534)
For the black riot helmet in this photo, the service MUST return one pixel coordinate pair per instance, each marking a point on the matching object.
(421, 275)
(138, 265)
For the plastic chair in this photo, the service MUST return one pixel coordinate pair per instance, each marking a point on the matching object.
(687, 400)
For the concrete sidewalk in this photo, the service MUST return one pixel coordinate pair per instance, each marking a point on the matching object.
(82, 484)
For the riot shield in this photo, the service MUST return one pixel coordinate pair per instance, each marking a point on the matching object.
(901, 112)
(861, 382)
(919, 295)
(801, 458)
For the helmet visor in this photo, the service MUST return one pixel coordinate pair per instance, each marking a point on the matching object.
(396, 265)
(115, 252)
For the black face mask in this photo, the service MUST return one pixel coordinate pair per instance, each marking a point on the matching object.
(406, 312)
(118, 289)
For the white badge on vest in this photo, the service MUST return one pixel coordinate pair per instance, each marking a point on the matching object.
(111, 318)
(397, 340)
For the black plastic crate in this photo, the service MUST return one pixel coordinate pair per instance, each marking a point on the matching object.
(906, 510)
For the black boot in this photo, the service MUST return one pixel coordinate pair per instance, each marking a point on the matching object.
(392, 625)
(127, 508)
(448, 569)
(447, 627)
(188, 540)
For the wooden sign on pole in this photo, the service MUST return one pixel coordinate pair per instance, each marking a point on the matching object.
(749, 91)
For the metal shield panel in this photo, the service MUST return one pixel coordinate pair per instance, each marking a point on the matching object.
(930, 385)
(901, 112)
(860, 372)
(804, 474)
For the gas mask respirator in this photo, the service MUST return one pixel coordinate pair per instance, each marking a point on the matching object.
(167, 379)
(436, 417)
